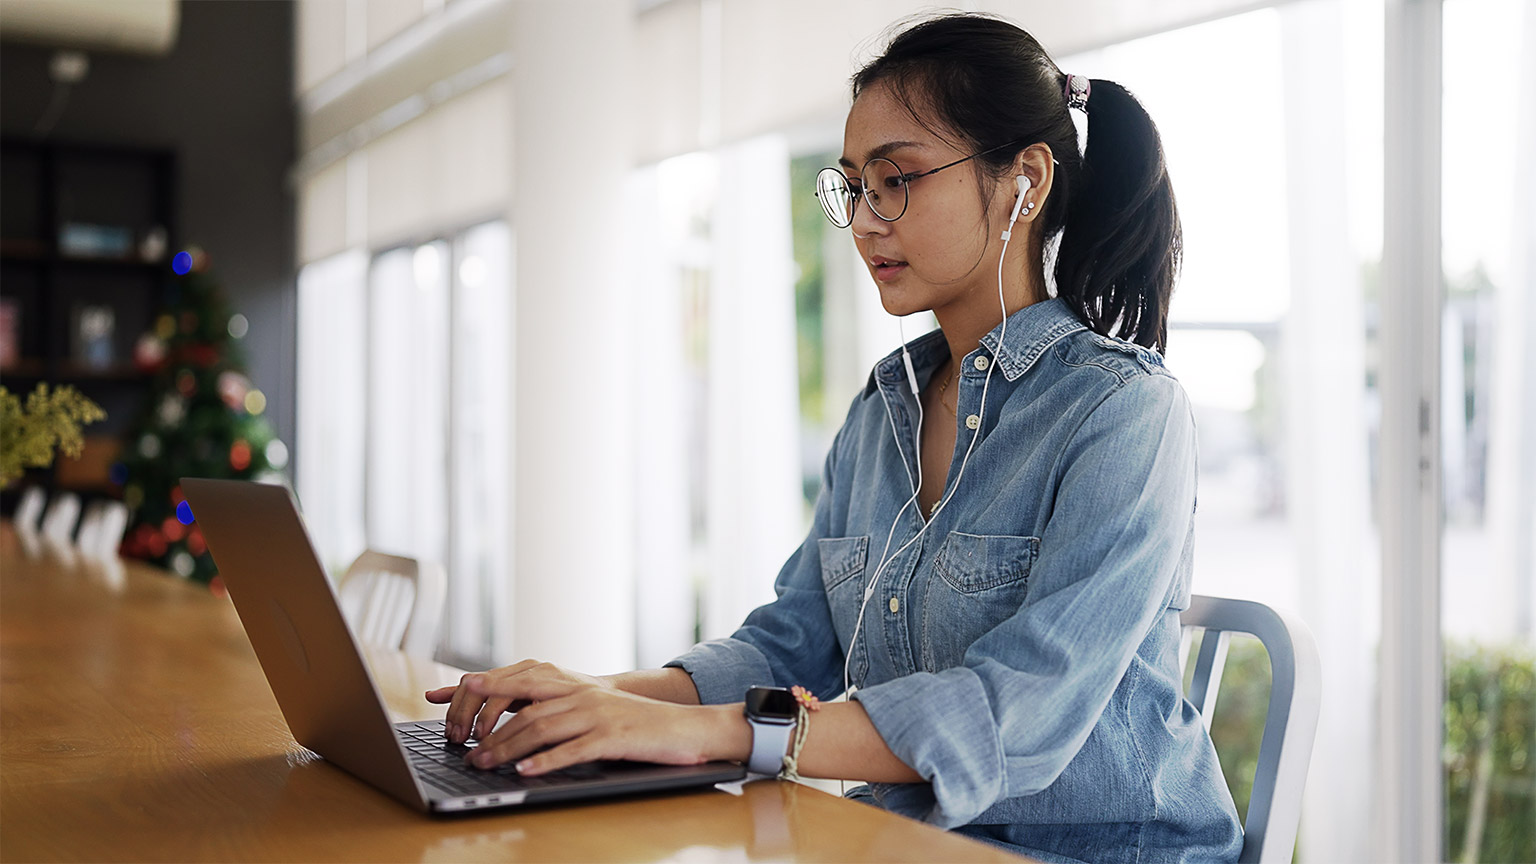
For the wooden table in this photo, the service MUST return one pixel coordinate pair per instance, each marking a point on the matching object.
(136, 725)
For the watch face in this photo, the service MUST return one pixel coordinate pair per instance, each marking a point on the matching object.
(771, 703)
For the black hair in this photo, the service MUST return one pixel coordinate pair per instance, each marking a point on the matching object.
(992, 84)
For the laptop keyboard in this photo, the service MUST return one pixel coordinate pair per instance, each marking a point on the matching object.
(441, 765)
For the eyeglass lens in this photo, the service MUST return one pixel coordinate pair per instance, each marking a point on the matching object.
(884, 190)
(836, 198)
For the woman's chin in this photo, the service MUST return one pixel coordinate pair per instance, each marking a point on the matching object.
(899, 303)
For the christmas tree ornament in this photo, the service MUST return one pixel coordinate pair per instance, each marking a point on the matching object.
(277, 453)
(232, 389)
(155, 542)
(149, 353)
(240, 455)
(255, 402)
(173, 409)
(238, 326)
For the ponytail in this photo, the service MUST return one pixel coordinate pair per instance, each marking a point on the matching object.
(992, 83)
(1121, 244)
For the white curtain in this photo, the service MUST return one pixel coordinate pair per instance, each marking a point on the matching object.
(332, 318)
(407, 483)
(753, 474)
(482, 426)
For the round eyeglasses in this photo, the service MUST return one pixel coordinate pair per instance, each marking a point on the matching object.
(882, 185)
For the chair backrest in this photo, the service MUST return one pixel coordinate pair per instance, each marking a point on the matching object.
(101, 529)
(394, 601)
(62, 514)
(1295, 695)
(29, 510)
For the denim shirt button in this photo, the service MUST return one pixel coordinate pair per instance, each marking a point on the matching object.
(895, 605)
(973, 422)
(981, 362)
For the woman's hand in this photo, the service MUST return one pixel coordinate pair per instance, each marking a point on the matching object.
(579, 719)
(476, 704)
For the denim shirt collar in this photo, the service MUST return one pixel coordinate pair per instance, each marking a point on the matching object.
(1031, 332)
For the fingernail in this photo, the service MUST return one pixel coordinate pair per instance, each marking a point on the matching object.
(523, 766)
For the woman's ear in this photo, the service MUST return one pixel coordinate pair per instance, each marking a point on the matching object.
(1036, 163)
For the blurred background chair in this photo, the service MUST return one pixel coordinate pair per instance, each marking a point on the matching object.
(61, 516)
(101, 529)
(29, 510)
(1295, 697)
(394, 601)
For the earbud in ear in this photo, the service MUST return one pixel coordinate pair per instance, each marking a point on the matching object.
(1022, 182)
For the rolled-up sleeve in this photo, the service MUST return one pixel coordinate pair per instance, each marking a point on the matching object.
(1008, 720)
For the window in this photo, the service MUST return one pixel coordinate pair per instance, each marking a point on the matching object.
(1271, 125)
(405, 417)
(1487, 423)
(332, 381)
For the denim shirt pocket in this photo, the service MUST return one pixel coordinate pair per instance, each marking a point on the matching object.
(978, 582)
(843, 561)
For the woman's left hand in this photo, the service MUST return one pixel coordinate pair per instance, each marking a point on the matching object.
(581, 721)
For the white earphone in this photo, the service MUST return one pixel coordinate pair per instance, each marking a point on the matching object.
(1023, 183)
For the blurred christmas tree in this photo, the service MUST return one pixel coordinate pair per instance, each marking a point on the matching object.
(203, 418)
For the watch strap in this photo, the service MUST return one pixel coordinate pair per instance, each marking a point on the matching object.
(770, 741)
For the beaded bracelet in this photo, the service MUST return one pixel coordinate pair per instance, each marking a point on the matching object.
(805, 703)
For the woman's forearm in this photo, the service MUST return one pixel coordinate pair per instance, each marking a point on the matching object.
(668, 685)
(841, 744)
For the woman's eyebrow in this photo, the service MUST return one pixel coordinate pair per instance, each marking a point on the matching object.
(883, 151)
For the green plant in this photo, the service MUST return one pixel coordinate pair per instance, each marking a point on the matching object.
(31, 433)
(1489, 754)
(1237, 726)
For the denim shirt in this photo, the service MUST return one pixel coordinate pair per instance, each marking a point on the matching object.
(1022, 654)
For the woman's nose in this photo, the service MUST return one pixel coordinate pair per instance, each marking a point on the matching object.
(866, 223)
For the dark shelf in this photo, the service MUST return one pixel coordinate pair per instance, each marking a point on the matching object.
(118, 372)
(43, 257)
(75, 318)
(25, 368)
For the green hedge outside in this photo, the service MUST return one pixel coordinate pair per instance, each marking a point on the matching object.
(1489, 749)
(1490, 752)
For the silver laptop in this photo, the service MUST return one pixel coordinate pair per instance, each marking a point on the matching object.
(326, 693)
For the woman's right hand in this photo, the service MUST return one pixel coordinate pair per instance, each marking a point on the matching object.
(472, 713)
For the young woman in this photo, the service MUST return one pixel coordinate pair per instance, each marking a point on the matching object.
(1003, 540)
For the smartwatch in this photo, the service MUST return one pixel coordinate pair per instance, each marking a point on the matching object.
(772, 712)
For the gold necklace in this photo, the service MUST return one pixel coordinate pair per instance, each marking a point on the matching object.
(945, 386)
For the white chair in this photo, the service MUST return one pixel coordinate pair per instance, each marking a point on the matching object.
(101, 529)
(60, 518)
(29, 510)
(394, 601)
(1295, 696)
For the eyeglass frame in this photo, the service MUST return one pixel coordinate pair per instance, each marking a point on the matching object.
(906, 179)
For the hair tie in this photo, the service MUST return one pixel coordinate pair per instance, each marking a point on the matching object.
(1076, 91)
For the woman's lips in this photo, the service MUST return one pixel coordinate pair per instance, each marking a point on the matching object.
(886, 269)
